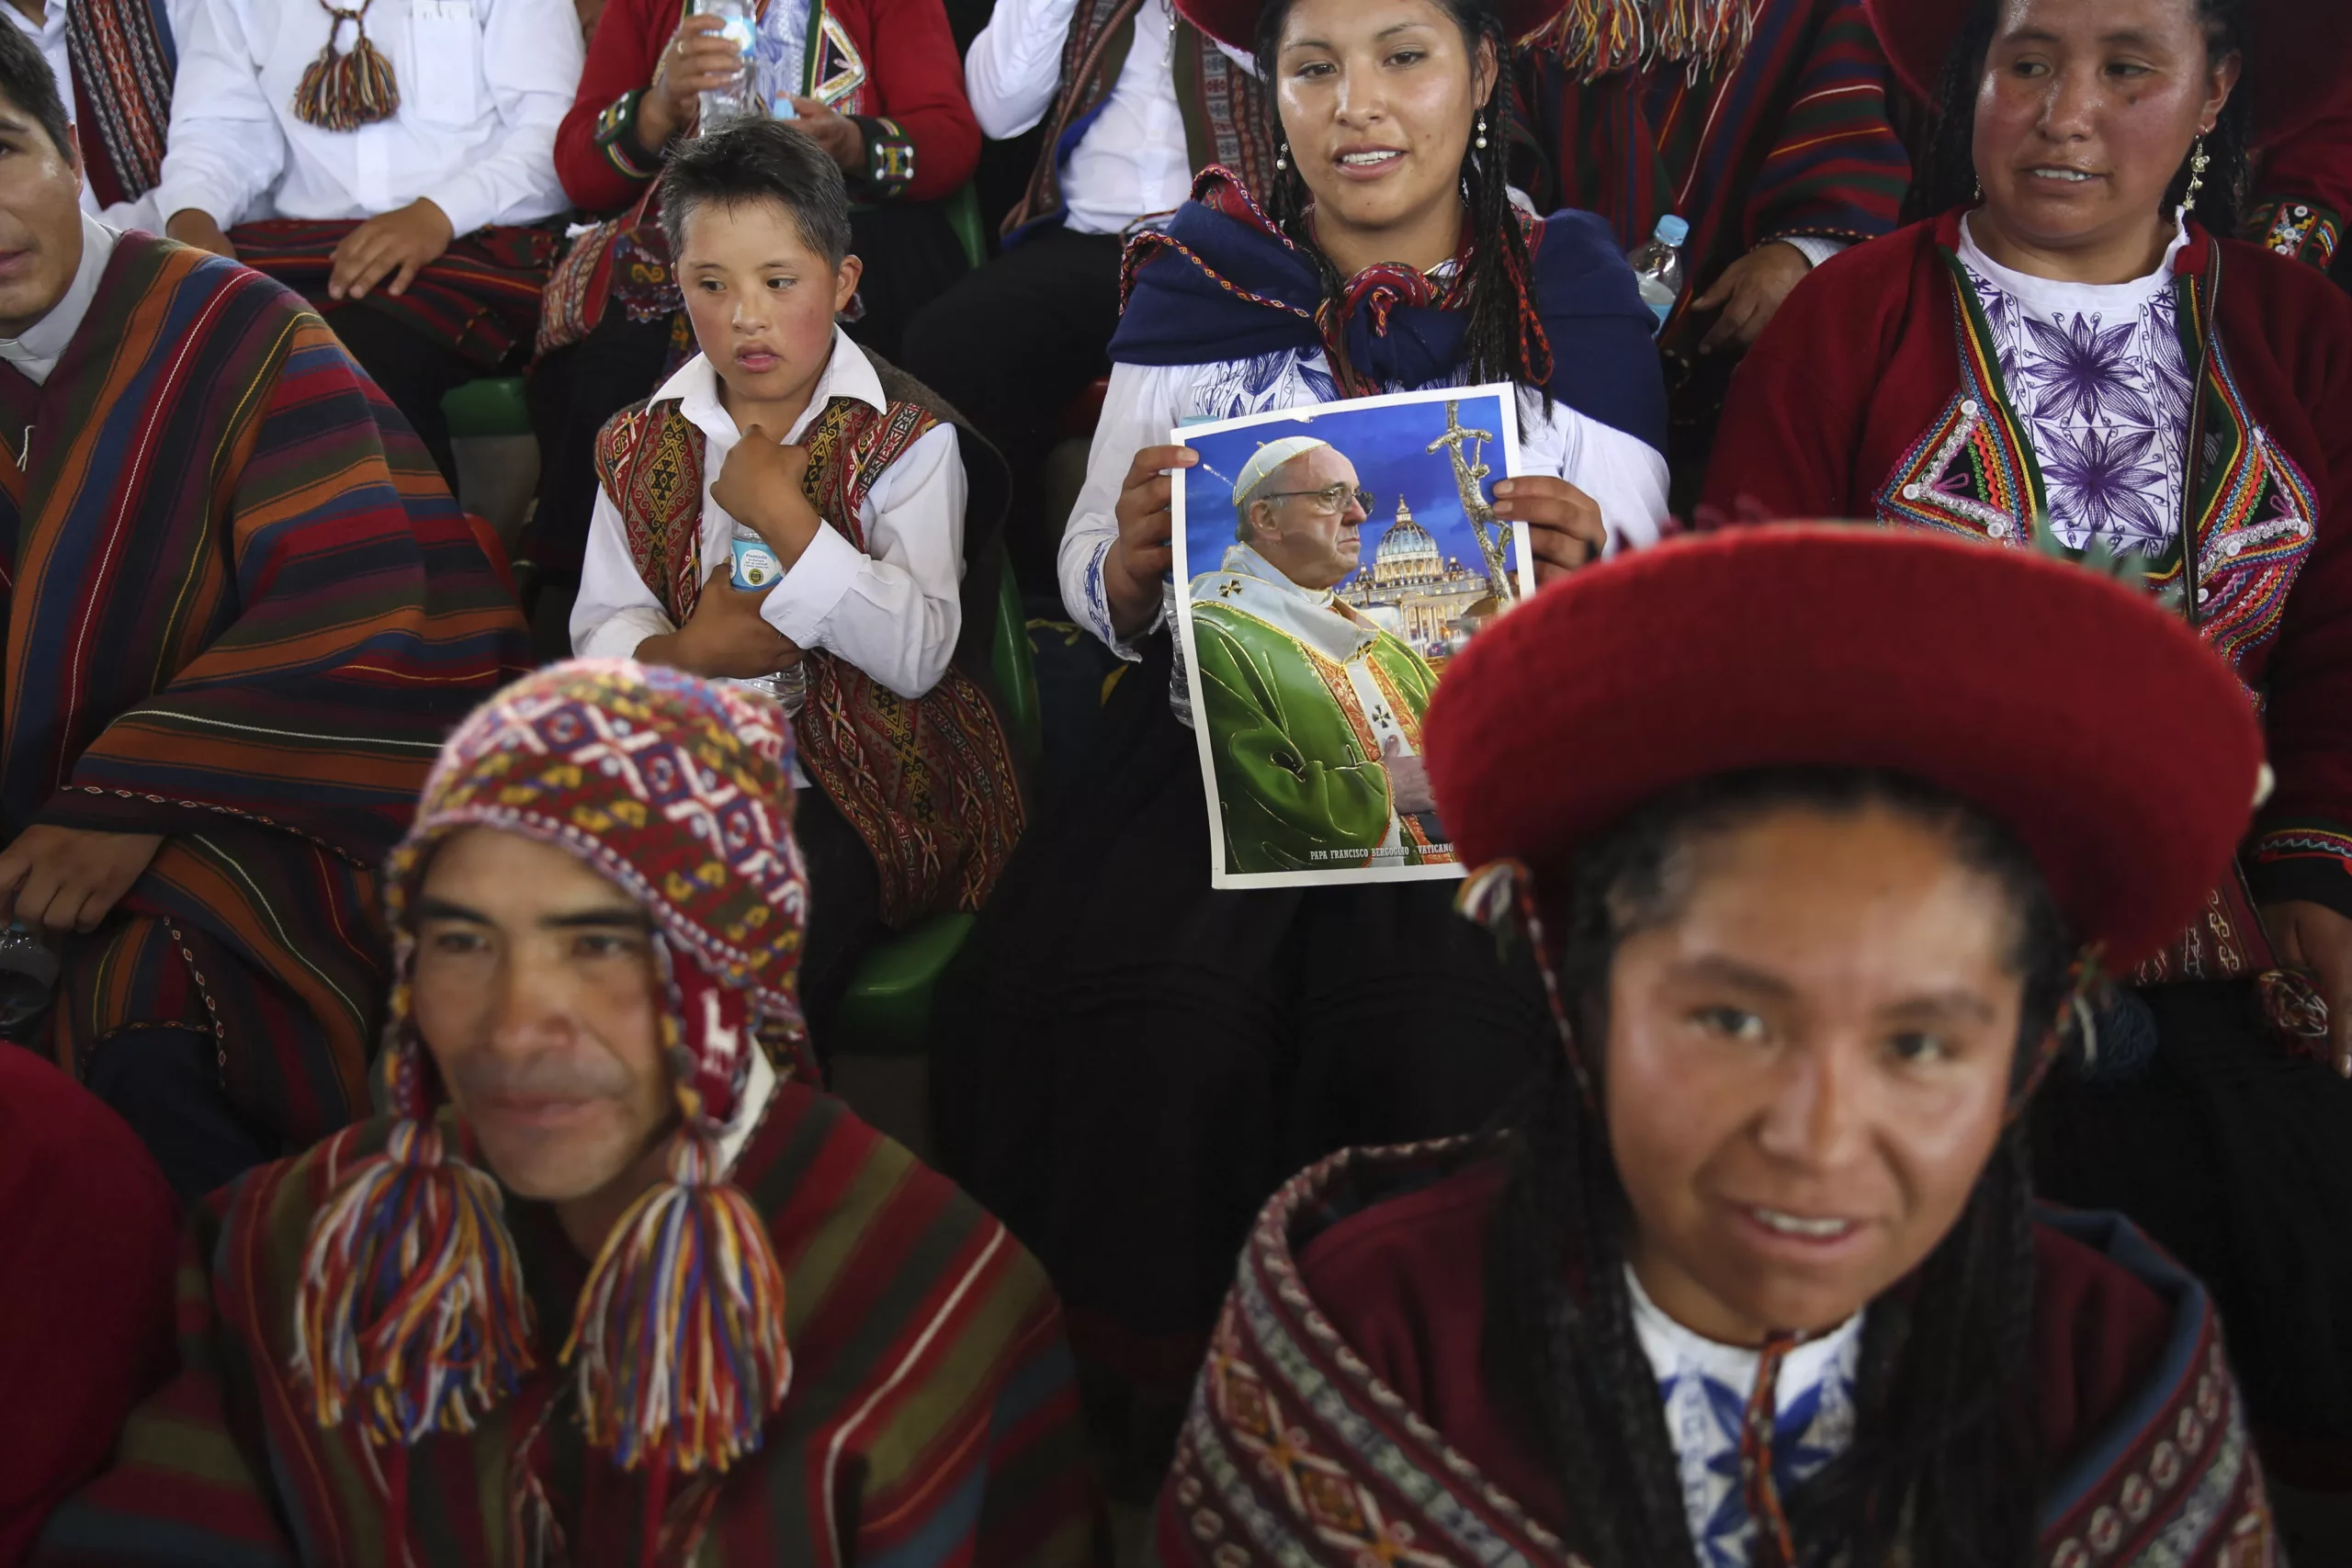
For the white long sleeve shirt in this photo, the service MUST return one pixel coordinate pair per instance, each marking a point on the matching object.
(48, 35)
(483, 84)
(1626, 476)
(893, 610)
(1133, 161)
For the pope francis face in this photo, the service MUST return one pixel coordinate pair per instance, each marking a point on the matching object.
(1307, 519)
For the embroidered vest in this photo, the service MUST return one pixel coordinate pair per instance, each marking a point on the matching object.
(930, 784)
(2247, 529)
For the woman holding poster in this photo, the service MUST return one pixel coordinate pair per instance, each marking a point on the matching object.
(1145, 1056)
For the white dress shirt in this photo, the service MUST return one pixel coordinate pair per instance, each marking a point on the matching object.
(1626, 476)
(483, 84)
(1132, 162)
(36, 352)
(49, 36)
(893, 612)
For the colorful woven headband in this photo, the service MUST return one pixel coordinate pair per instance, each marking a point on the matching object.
(679, 792)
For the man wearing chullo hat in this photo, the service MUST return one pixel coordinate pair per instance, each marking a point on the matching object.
(1313, 713)
(608, 1284)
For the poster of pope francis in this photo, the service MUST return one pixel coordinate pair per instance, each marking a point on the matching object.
(1333, 559)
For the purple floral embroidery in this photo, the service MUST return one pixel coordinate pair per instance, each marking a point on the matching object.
(2104, 481)
(2084, 372)
(2104, 399)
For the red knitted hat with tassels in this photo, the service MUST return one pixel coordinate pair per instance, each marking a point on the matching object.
(1844, 645)
(411, 1314)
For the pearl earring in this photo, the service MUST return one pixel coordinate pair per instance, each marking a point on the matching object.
(2199, 161)
(1482, 134)
(1282, 159)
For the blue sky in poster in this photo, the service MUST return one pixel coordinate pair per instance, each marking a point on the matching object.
(1389, 446)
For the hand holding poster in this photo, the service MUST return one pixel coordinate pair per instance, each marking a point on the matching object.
(1332, 559)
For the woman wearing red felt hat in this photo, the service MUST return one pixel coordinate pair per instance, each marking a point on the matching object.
(2069, 357)
(1754, 1274)
(1145, 1058)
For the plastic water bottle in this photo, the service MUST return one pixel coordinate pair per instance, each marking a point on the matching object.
(783, 56)
(755, 567)
(1658, 265)
(740, 24)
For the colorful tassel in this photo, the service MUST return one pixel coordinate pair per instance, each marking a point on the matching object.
(412, 1305)
(1594, 37)
(679, 1340)
(343, 92)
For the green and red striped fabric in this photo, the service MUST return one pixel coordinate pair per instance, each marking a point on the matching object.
(931, 1418)
(242, 612)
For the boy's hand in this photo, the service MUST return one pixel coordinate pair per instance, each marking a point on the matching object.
(759, 485)
(397, 244)
(726, 638)
(67, 879)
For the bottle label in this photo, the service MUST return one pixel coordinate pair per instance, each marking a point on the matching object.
(755, 564)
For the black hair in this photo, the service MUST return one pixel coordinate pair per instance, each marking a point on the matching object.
(1495, 277)
(759, 160)
(1946, 174)
(26, 81)
(1944, 1467)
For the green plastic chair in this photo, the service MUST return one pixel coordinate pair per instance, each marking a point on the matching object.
(963, 210)
(887, 1010)
(492, 406)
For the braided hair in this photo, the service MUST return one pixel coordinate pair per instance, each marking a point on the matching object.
(1946, 174)
(1944, 1467)
(1496, 274)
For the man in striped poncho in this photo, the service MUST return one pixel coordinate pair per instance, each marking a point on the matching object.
(539, 1313)
(241, 618)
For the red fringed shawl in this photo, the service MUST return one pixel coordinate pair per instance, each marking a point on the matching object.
(930, 785)
(1874, 394)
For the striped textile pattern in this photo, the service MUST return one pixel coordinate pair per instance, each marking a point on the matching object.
(1792, 139)
(123, 59)
(242, 613)
(480, 298)
(931, 1418)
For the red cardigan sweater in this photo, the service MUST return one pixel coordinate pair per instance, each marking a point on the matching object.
(914, 80)
(2304, 190)
(1869, 397)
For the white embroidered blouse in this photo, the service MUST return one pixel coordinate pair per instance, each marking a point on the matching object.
(2099, 379)
(1706, 1385)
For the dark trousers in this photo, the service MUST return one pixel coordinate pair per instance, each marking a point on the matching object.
(1011, 346)
(572, 393)
(911, 254)
(415, 371)
(844, 909)
(166, 1083)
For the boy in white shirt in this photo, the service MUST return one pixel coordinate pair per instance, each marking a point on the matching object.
(855, 481)
(389, 168)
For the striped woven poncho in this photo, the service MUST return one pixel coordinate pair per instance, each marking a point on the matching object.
(931, 1419)
(241, 615)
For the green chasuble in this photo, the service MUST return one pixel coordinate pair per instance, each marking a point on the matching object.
(1298, 696)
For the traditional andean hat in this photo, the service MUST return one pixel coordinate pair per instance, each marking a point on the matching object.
(412, 1316)
(2295, 58)
(1846, 646)
(1234, 23)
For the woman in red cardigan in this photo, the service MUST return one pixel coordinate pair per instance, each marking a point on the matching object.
(2064, 360)
(884, 95)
